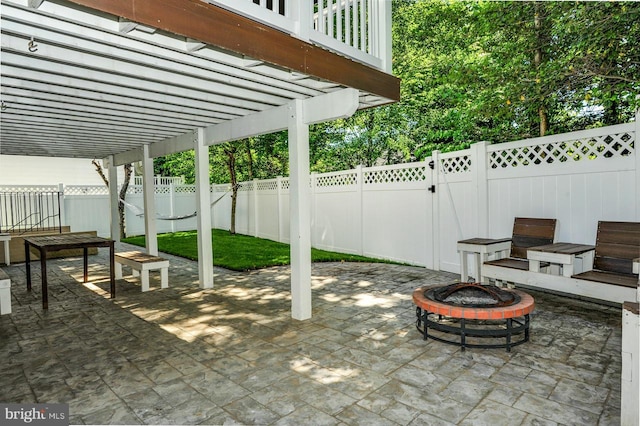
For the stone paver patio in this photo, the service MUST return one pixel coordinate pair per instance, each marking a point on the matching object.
(233, 355)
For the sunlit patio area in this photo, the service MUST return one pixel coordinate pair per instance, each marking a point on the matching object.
(233, 354)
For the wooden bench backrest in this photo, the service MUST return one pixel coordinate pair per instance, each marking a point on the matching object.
(617, 244)
(531, 232)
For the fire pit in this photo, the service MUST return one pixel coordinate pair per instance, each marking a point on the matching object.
(475, 311)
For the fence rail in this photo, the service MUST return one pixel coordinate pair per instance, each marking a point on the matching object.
(26, 211)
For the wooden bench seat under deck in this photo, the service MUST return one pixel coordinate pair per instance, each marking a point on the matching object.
(527, 232)
(617, 245)
(521, 264)
(142, 263)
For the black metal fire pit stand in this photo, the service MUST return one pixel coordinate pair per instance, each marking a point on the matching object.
(494, 329)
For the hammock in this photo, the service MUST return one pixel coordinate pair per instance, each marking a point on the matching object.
(140, 212)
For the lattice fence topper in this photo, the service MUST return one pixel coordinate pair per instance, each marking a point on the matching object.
(591, 148)
(407, 174)
(162, 189)
(244, 186)
(184, 189)
(23, 189)
(342, 179)
(454, 165)
(267, 185)
(284, 183)
(86, 190)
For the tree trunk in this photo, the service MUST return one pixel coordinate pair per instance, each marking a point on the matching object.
(123, 191)
(537, 61)
(249, 159)
(231, 164)
(128, 169)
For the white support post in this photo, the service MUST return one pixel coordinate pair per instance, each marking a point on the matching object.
(384, 34)
(479, 165)
(314, 208)
(302, 13)
(435, 157)
(360, 208)
(256, 210)
(172, 204)
(148, 194)
(630, 374)
(279, 207)
(112, 172)
(300, 213)
(203, 207)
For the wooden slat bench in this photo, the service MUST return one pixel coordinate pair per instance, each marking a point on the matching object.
(141, 264)
(527, 232)
(5, 293)
(613, 278)
(617, 246)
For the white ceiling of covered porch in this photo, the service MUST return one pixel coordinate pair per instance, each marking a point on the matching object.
(81, 83)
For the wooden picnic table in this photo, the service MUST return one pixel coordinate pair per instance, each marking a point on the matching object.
(48, 243)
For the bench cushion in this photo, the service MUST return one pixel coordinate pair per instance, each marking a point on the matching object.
(626, 280)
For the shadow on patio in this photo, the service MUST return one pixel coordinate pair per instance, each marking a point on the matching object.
(232, 354)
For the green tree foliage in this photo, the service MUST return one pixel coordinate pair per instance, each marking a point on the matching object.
(471, 71)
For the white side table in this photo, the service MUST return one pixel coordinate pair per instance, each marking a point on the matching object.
(562, 254)
(481, 249)
(5, 238)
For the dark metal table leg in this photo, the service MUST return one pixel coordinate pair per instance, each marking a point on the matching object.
(509, 326)
(463, 336)
(85, 252)
(43, 273)
(112, 274)
(27, 260)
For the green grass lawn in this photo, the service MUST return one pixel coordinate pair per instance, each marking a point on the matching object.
(240, 252)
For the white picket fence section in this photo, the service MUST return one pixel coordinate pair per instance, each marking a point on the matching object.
(416, 212)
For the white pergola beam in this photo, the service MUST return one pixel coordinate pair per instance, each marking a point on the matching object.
(127, 157)
(264, 122)
(332, 106)
(340, 104)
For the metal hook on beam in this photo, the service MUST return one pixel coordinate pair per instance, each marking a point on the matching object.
(33, 46)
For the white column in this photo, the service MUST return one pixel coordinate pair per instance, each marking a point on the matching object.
(360, 208)
(479, 165)
(203, 207)
(300, 213)
(435, 157)
(172, 204)
(279, 207)
(384, 34)
(256, 210)
(113, 199)
(630, 377)
(148, 195)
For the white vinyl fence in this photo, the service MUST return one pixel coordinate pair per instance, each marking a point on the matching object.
(416, 212)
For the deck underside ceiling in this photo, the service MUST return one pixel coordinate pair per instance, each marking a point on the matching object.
(78, 82)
